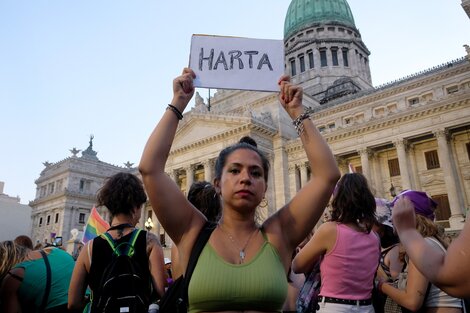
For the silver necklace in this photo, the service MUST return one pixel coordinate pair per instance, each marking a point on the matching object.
(242, 253)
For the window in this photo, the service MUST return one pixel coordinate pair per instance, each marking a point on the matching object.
(331, 126)
(345, 57)
(468, 149)
(149, 213)
(452, 89)
(334, 56)
(302, 63)
(393, 167)
(56, 218)
(51, 188)
(379, 112)
(292, 68)
(443, 207)
(162, 240)
(413, 101)
(40, 221)
(347, 120)
(432, 159)
(310, 59)
(48, 219)
(321, 129)
(43, 191)
(82, 184)
(59, 185)
(323, 61)
(81, 218)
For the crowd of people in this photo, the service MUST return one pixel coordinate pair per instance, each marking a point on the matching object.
(373, 255)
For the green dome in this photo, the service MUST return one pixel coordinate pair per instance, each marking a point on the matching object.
(305, 13)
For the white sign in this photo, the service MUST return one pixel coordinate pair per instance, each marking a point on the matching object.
(236, 63)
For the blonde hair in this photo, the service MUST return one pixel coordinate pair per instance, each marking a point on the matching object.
(10, 254)
(426, 228)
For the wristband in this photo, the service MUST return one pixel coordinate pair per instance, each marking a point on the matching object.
(175, 110)
(299, 127)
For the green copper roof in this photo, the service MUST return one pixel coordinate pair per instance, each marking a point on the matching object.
(305, 13)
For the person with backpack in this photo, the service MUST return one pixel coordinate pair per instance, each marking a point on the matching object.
(414, 292)
(123, 267)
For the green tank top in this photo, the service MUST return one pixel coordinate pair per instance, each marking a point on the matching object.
(216, 285)
(32, 287)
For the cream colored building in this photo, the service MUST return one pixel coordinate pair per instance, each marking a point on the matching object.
(411, 133)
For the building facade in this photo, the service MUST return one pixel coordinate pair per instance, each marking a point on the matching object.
(412, 133)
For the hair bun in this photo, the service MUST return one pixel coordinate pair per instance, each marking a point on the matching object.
(248, 140)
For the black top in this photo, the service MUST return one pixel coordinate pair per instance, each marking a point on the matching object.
(103, 253)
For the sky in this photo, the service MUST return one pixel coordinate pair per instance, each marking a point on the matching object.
(69, 69)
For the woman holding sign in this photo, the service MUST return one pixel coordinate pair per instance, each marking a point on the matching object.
(239, 252)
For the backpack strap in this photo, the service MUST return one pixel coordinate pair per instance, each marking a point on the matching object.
(130, 244)
(201, 241)
(42, 308)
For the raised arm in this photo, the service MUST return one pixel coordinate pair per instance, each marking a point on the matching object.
(174, 212)
(449, 271)
(412, 297)
(298, 217)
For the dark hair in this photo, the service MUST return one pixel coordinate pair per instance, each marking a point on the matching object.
(204, 197)
(388, 236)
(244, 143)
(248, 140)
(24, 241)
(353, 202)
(122, 193)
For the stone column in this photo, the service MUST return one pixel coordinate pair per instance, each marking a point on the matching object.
(294, 181)
(342, 165)
(172, 174)
(377, 175)
(415, 183)
(189, 176)
(303, 174)
(208, 170)
(448, 164)
(401, 146)
(364, 153)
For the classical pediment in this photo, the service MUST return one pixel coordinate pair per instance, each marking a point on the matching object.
(197, 127)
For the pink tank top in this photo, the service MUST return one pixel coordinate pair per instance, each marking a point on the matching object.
(347, 271)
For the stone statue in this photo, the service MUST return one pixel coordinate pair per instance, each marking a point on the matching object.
(199, 100)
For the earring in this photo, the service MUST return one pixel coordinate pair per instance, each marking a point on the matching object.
(263, 203)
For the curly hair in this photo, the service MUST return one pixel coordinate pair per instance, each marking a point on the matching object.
(204, 197)
(10, 254)
(353, 202)
(121, 194)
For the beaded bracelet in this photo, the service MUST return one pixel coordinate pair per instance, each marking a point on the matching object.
(175, 110)
(299, 126)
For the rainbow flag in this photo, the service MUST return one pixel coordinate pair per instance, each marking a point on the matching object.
(95, 226)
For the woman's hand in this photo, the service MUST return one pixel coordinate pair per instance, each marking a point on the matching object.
(183, 89)
(290, 97)
(403, 215)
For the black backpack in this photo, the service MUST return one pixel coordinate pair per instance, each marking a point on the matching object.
(124, 286)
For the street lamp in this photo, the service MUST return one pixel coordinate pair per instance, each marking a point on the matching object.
(149, 224)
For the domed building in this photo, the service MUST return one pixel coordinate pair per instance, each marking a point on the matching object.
(324, 50)
(412, 133)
